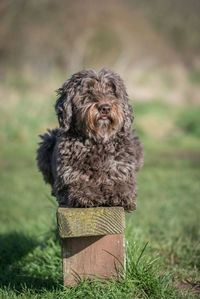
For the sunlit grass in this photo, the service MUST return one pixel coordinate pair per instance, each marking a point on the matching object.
(166, 217)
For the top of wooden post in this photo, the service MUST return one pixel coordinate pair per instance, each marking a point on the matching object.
(99, 221)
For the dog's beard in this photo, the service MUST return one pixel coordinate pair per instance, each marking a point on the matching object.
(100, 126)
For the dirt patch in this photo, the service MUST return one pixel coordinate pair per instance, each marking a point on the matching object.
(192, 287)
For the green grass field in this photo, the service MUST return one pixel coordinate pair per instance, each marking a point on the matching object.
(162, 236)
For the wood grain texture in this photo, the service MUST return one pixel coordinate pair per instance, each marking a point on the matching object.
(92, 257)
(77, 222)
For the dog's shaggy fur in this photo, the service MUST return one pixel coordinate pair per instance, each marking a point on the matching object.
(92, 158)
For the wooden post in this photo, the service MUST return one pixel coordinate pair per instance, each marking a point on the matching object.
(92, 242)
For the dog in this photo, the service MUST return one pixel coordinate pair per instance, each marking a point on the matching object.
(91, 160)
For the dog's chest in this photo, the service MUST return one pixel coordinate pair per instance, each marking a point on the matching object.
(97, 163)
(95, 158)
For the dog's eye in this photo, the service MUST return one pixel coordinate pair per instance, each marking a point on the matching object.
(90, 100)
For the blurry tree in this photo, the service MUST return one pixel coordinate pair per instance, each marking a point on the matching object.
(38, 36)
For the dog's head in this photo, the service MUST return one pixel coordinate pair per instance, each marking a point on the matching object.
(94, 104)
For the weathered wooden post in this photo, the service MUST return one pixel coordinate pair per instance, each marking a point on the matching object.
(92, 242)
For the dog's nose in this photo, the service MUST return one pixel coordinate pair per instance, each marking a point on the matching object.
(104, 109)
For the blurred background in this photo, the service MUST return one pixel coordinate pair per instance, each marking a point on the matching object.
(155, 47)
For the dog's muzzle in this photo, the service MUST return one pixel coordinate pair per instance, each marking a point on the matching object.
(104, 111)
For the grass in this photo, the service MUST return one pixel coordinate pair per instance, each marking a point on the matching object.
(162, 236)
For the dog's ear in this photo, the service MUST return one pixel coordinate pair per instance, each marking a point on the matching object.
(128, 116)
(119, 89)
(63, 108)
(64, 104)
(120, 92)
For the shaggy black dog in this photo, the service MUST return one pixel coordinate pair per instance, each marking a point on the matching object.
(92, 158)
